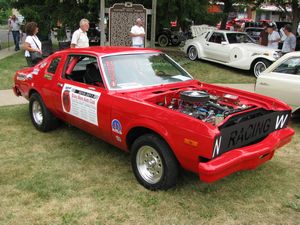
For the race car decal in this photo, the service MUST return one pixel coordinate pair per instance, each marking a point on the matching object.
(116, 126)
(80, 102)
(249, 132)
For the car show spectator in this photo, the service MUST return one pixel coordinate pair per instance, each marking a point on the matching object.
(14, 27)
(263, 36)
(32, 44)
(289, 43)
(138, 34)
(273, 37)
(80, 38)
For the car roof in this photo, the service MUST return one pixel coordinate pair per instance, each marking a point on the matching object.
(107, 50)
(229, 31)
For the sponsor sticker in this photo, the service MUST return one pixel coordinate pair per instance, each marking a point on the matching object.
(81, 103)
(48, 76)
(116, 126)
(118, 138)
(36, 71)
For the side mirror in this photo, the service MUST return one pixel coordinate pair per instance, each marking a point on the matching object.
(224, 43)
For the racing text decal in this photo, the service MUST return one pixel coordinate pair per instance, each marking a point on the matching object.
(81, 103)
(250, 131)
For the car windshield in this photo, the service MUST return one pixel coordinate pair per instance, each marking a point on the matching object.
(141, 70)
(234, 38)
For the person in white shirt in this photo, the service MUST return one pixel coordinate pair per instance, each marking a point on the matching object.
(80, 38)
(14, 27)
(273, 37)
(138, 34)
(32, 43)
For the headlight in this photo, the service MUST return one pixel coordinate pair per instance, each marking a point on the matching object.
(276, 55)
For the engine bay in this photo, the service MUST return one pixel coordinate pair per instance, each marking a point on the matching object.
(209, 107)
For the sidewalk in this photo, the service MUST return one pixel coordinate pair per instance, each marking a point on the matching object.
(7, 97)
(7, 52)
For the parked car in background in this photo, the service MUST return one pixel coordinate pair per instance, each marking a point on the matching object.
(169, 36)
(143, 102)
(230, 48)
(93, 35)
(282, 80)
(254, 32)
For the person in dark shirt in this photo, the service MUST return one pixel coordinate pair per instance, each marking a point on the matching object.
(263, 36)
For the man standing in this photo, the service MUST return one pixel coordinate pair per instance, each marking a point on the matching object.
(263, 36)
(138, 34)
(273, 37)
(289, 43)
(80, 38)
(14, 27)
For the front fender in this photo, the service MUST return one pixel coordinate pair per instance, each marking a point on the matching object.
(198, 45)
(151, 125)
(246, 62)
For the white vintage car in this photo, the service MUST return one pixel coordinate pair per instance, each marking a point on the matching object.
(235, 49)
(282, 80)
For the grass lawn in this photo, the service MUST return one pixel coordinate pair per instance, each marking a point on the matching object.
(8, 67)
(69, 177)
(201, 70)
(5, 44)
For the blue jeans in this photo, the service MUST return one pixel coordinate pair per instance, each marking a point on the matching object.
(16, 36)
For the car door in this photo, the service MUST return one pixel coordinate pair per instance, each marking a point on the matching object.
(215, 47)
(283, 82)
(82, 100)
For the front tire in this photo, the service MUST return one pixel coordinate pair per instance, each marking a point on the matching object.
(163, 40)
(41, 117)
(259, 66)
(193, 53)
(153, 163)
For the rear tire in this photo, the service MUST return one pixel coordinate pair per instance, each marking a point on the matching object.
(192, 53)
(41, 117)
(259, 66)
(153, 163)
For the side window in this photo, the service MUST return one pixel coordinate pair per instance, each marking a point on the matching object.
(217, 38)
(83, 69)
(53, 65)
(290, 66)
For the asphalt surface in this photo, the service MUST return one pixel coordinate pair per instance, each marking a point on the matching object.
(5, 37)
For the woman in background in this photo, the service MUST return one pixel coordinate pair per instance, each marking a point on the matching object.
(32, 43)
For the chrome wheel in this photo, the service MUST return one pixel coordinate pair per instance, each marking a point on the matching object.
(37, 113)
(149, 164)
(192, 53)
(259, 67)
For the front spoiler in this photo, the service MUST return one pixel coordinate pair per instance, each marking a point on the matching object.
(244, 158)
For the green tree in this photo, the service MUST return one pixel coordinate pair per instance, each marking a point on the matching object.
(294, 13)
(5, 11)
(48, 12)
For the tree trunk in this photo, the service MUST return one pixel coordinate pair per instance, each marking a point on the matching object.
(227, 8)
(296, 15)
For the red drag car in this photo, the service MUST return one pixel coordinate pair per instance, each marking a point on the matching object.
(143, 102)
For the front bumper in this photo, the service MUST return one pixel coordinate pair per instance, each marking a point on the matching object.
(16, 91)
(244, 158)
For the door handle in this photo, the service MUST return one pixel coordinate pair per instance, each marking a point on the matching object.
(207, 44)
(264, 84)
(60, 84)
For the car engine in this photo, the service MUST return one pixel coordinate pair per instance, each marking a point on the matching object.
(204, 106)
